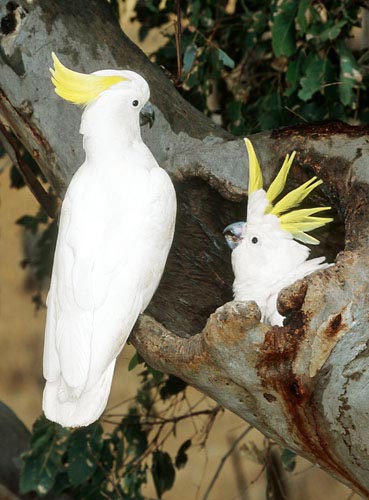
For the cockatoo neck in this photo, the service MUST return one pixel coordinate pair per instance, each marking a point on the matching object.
(268, 265)
(107, 132)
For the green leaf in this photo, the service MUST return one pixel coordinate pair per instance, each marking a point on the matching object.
(207, 18)
(303, 15)
(162, 471)
(143, 397)
(172, 387)
(195, 10)
(119, 453)
(135, 436)
(233, 112)
(43, 461)
(83, 446)
(61, 483)
(189, 58)
(332, 32)
(293, 76)
(106, 457)
(350, 76)
(288, 458)
(269, 111)
(16, 180)
(151, 6)
(135, 360)
(283, 29)
(193, 80)
(225, 59)
(314, 77)
(156, 375)
(182, 457)
(43, 258)
(133, 481)
(314, 111)
(118, 445)
(31, 222)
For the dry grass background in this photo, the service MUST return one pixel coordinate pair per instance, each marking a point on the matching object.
(21, 383)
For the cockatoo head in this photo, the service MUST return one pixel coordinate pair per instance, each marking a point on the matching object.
(265, 244)
(112, 98)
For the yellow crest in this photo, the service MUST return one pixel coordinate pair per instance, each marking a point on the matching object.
(79, 88)
(297, 222)
(255, 174)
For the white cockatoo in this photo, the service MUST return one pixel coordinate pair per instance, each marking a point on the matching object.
(116, 228)
(265, 257)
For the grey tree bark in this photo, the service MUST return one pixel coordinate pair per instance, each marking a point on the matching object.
(304, 384)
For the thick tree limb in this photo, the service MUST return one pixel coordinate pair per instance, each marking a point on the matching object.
(47, 201)
(304, 385)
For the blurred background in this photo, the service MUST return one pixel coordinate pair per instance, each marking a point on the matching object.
(220, 464)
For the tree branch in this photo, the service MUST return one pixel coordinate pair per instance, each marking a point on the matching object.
(301, 384)
(224, 459)
(47, 202)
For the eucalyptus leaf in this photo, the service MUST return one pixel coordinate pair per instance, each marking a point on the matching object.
(182, 457)
(333, 31)
(293, 75)
(43, 462)
(288, 458)
(314, 77)
(83, 454)
(350, 75)
(172, 386)
(303, 15)
(135, 360)
(189, 58)
(163, 472)
(283, 30)
(225, 59)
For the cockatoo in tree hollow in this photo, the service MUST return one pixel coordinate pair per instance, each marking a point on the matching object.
(116, 229)
(266, 258)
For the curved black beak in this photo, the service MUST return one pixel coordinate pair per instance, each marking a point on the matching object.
(233, 234)
(147, 115)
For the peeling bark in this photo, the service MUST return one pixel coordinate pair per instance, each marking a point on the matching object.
(303, 384)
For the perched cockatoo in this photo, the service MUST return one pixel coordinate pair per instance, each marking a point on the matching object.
(116, 229)
(265, 257)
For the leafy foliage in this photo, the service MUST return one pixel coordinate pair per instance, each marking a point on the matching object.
(266, 63)
(39, 244)
(48, 444)
(91, 463)
(182, 457)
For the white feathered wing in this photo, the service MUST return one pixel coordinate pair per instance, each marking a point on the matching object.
(115, 233)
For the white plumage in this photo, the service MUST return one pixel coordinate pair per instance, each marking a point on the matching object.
(116, 229)
(266, 258)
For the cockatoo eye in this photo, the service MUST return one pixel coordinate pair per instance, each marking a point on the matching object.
(135, 103)
(255, 240)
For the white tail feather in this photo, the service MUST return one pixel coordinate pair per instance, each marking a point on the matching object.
(61, 406)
